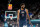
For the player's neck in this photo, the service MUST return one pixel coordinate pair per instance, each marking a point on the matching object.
(22, 9)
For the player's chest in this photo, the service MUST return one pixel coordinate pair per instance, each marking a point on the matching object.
(22, 12)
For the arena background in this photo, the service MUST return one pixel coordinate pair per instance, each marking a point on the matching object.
(33, 7)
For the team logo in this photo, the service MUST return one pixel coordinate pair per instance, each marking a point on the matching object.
(22, 12)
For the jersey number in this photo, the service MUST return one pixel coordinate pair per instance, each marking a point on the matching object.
(22, 14)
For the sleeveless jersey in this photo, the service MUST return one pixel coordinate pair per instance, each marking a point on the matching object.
(22, 15)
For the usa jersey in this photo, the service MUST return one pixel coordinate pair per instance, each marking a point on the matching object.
(22, 15)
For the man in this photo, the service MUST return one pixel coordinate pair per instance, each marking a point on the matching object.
(21, 16)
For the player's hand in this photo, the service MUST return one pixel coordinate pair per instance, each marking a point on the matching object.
(18, 24)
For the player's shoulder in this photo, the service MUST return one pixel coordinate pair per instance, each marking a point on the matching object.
(26, 9)
(19, 10)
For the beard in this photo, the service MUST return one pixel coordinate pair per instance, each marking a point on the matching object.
(22, 7)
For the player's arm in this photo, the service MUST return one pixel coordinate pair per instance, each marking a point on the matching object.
(28, 15)
(18, 18)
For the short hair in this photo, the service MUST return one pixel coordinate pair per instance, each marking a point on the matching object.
(22, 4)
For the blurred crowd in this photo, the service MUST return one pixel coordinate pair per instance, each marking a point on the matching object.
(35, 10)
(32, 5)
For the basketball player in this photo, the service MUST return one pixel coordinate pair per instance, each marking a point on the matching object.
(21, 16)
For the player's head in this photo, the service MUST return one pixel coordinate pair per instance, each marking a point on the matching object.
(22, 5)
